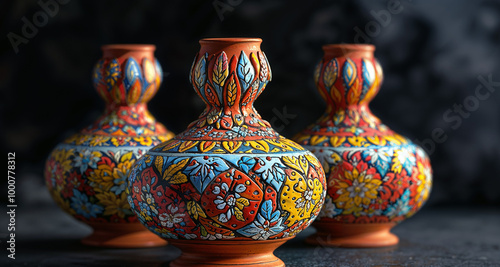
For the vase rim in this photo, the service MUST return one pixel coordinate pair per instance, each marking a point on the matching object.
(350, 47)
(349, 50)
(136, 47)
(229, 40)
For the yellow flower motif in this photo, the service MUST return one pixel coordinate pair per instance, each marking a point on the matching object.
(300, 197)
(122, 168)
(356, 189)
(424, 184)
(144, 140)
(61, 156)
(102, 178)
(114, 204)
(99, 140)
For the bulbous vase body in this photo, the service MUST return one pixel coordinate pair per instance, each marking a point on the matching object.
(229, 189)
(87, 173)
(376, 178)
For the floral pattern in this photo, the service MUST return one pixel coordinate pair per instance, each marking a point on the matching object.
(229, 176)
(97, 193)
(374, 175)
(87, 173)
(235, 202)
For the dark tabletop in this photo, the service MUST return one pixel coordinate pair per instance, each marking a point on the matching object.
(46, 236)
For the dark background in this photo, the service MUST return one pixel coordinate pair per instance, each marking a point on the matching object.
(432, 53)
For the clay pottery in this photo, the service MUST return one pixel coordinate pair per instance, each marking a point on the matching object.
(229, 189)
(376, 178)
(87, 173)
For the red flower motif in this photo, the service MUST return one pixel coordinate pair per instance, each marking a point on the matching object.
(394, 186)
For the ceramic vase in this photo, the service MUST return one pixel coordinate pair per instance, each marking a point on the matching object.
(376, 177)
(87, 173)
(229, 189)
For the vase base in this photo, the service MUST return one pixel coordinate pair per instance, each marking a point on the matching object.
(122, 236)
(353, 235)
(228, 253)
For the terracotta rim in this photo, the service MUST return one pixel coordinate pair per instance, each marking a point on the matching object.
(356, 47)
(338, 50)
(229, 40)
(136, 47)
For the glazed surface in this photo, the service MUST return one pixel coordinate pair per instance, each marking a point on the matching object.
(86, 174)
(229, 175)
(374, 175)
(226, 196)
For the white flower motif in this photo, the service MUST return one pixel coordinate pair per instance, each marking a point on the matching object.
(357, 188)
(169, 219)
(305, 200)
(226, 198)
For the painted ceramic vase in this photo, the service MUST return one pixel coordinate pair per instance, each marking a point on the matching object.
(376, 178)
(229, 189)
(87, 173)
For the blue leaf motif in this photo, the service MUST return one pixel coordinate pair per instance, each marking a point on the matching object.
(267, 209)
(202, 171)
(246, 164)
(219, 164)
(368, 77)
(272, 172)
(260, 228)
(349, 73)
(275, 216)
(245, 71)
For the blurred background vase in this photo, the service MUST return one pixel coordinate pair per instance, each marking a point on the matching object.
(376, 178)
(229, 189)
(87, 173)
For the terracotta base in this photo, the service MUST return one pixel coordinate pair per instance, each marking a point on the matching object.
(371, 235)
(228, 253)
(119, 235)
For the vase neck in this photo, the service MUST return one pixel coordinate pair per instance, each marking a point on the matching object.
(348, 76)
(127, 74)
(229, 74)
